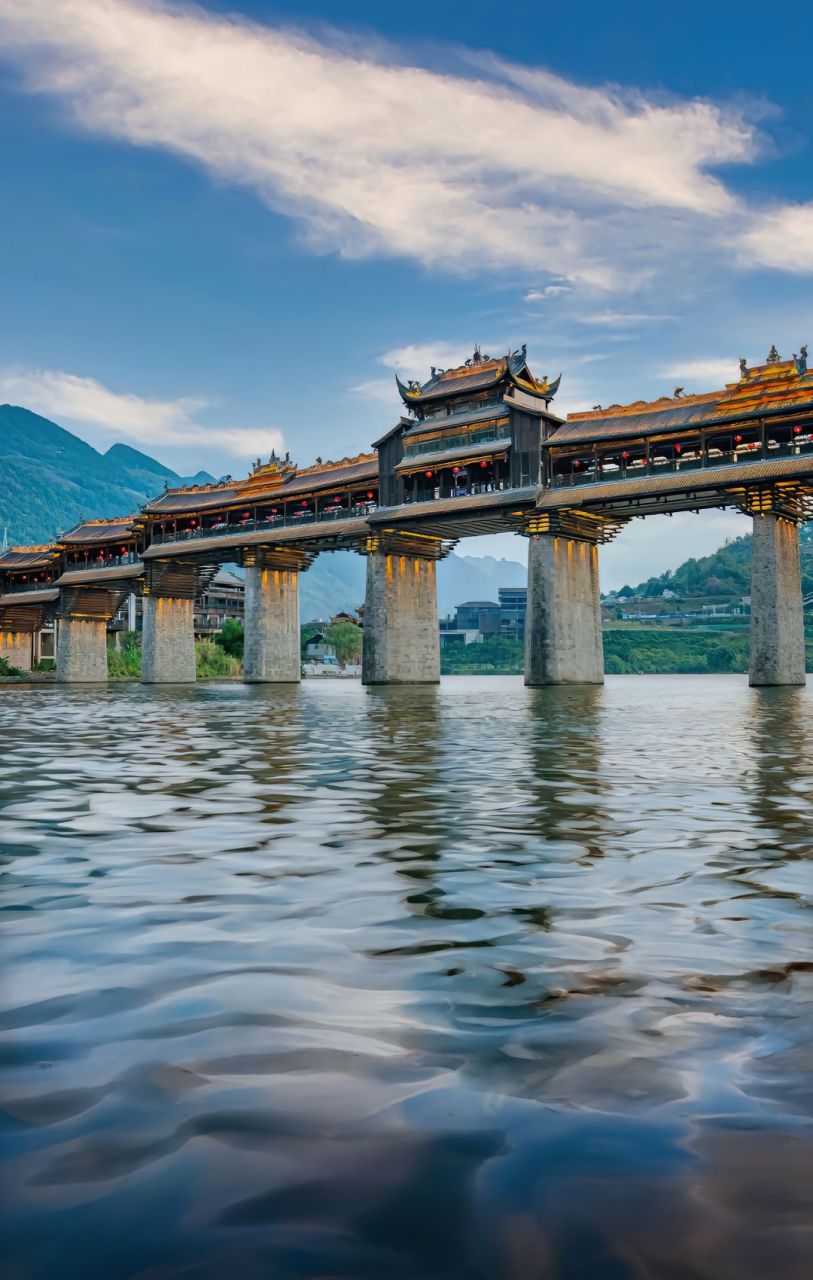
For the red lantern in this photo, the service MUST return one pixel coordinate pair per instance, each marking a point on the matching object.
(738, 439)
(455, 471)
(303, 504)
(797, 431)
(273, 511)
(428, 475)
(625, 456)
(678, 448)
(483, 464)
(124, 551)
(369, 495)
(192, 523)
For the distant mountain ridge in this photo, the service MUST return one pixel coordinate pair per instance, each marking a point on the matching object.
(50, 479)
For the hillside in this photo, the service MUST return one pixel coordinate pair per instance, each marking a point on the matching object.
(725, 573)
(50, 479)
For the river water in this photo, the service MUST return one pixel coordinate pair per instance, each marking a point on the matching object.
(437, 984)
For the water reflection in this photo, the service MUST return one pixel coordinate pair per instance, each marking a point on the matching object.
(451, 983)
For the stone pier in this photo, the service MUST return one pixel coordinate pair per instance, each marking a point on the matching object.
(272, 650)
(168, 640)
(18, 648)
(81, 649)
(563, 618)
(401, 639)
(777, 620)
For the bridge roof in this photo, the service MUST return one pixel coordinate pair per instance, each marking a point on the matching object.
(498, 410)
(28, 557)
(327, 475)
(110, 573)
(44, 596)
(723, 478)
(442, 458)
(778, 387)
(98, 531)
(479, 373)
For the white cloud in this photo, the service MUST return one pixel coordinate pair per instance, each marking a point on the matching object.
(623, 319)
(709, 373)
(782, 239)
(383, 390)
(69, 397)
(416, 358)
(516, 168)
(549, 291)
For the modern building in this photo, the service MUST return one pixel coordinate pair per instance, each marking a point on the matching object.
(513, 603)
(478, 615)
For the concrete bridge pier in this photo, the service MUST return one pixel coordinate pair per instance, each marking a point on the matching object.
(401, 638)
(82, 616)
(17, 647)
(168, 624)
(272, 652)
(563, 617)
(81, 650)
(777, 619)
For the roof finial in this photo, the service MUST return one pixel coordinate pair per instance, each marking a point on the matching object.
(743, 367)
(773, 356)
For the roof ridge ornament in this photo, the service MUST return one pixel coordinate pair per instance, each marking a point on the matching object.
(773, 356)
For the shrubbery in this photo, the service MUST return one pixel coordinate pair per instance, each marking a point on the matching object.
(212, 660)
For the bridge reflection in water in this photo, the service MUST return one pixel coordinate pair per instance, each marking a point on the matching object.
(480, 452)
(459, 981)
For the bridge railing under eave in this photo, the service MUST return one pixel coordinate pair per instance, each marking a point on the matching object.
(720, 458)
(293, 521)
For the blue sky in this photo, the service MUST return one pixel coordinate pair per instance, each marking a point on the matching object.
(225, 227)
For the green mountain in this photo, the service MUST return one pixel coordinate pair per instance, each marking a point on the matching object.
(50, 479)
(725, 573)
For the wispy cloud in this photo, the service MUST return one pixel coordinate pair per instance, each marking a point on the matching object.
(549, 291)
(708, 373)
(782, 239)
(382, 390)
(623, 319)
(69, 397)
(415, 359)
(508, 168)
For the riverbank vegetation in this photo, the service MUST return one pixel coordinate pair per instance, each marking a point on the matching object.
(211, 659)
(632, 650)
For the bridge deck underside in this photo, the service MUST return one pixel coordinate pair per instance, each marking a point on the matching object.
(690, 491)
(27, 610)
(332, 535)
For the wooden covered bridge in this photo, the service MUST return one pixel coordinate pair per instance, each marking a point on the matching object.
(478, 450)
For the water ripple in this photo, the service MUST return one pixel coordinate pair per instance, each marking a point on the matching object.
(444, 984)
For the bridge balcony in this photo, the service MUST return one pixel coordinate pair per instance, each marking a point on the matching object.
(637, 468)
(294, 520)
(17, 588)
